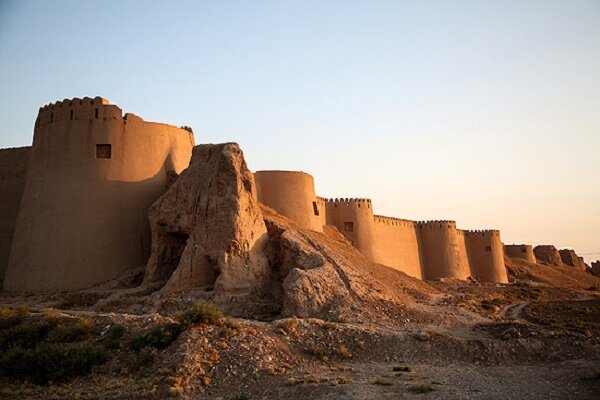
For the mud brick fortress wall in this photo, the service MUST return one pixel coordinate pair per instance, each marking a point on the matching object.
(74, 207)
(92, 174)
(426, 250)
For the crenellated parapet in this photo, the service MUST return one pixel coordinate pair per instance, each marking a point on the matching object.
(380, 219)
(76, 109)
(482, 233)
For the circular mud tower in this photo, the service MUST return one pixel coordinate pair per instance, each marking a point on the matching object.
(444, 252)
(291, 194)
(91, 177)
(486, 256)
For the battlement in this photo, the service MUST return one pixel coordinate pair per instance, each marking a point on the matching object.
(393, 221)
(347, 202)
(436, 224)
(78, 109)
(482, 232)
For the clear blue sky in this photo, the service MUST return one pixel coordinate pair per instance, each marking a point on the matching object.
(486, 112)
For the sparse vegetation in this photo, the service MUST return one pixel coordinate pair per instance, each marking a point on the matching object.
(331, 326)
(114, 335)
(159, 337)
(200, 313)
(26, 336)
(343, 352)
(287, 326)
(491, 304)
(50, 362)
(384, 381)
(419, 387)
(69, 333)
(318, 351)
(402, 368)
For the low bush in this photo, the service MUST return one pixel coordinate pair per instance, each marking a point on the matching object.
(50, 362)
(25, 336)
(288, 325)
(114, 335)
(200, 313)
(69, 332)
(159, 337)
(383, 381)
(402, 368)
(343, 352)
(421, 387)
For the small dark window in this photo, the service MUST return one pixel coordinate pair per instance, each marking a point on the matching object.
(71, 115)
(524, 250)
(488, 248)
(349, 226)
(103, 151)
(96, 113)
(315, 208)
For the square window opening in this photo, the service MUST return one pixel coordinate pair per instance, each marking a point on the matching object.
(349, 226)
(103, 151)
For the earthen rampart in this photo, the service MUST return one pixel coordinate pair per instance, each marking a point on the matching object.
(522, 251)
(547, 254)
(595, 268)
(569, 257)
(91, 177)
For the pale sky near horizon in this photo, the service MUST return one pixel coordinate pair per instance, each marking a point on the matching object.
(483, 112)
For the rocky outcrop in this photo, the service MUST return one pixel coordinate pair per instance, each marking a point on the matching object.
(547, 254)
(207, 229)
(569, 257)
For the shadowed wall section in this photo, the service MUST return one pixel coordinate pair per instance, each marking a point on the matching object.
(13, 167)
(92, 175)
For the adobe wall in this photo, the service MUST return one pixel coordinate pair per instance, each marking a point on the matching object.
(486, 256)
(397, 244)
(354, 218)
(596, 268)
(522, 251)
(443, 251)
(547, 254)
(569, 257)
(291, 194)
(13, 167)
(84, 212)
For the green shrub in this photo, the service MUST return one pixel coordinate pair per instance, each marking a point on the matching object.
(24, 336)
(159, 337)
(200, 313)
(114, 335)
(50, 362)
(68, 334)
(421, 387)
(383, 381)
(402, 368)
